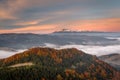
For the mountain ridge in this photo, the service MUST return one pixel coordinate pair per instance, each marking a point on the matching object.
(52, 64)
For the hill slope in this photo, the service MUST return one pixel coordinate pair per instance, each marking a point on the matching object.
(112, 59)
(52, 64)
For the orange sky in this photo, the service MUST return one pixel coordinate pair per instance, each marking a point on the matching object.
(108, 25)
(44, 16)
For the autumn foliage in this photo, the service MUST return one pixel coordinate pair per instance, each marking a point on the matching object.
(52, 64)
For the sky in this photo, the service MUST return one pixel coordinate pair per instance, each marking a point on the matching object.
(46, 16)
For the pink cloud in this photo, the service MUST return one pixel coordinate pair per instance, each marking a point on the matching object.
(111, 24)
(32, 29)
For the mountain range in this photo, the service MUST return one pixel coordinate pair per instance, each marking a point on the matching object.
(28, 40)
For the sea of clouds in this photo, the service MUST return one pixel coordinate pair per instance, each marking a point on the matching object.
(90, 49)
(4, 54)
(97, 50)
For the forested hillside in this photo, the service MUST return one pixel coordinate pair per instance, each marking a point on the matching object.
(52, 64)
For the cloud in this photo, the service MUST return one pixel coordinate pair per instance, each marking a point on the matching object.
(32, 29)
(36, 26)
(6, 15)
(8, 8)
(107, 24)
(40, 25)
(5, 54)
(94, 50)
(23, 13)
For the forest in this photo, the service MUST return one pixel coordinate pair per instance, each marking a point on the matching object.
(52, 64)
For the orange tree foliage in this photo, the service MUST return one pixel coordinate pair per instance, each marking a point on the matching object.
(52, 64)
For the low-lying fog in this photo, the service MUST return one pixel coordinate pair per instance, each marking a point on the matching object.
(90, 49)
(4, 54)
(97, 50)
(94, 50)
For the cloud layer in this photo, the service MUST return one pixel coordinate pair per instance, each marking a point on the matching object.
(102, 15)
(94, 50)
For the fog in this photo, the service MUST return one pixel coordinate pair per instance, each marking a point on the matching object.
(118, 38)
(4, 54)
(90, 49)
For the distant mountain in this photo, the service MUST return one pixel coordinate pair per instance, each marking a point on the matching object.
(89, 33)
(112, 59)
(28, 40)
(51, 64)
(70, 31)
